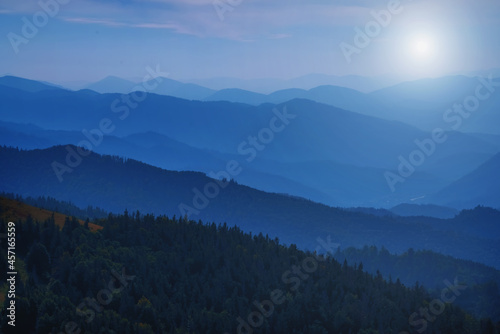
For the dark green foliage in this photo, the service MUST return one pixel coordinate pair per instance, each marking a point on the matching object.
(38, 260)
(430, 269)
(146, 274)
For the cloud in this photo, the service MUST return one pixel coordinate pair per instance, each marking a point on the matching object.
(279, 36)
(184, 2)
(247, 20)
(141, 25)
(85, 20)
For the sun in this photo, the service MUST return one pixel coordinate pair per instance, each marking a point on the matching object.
(422, 48)
(420, 51)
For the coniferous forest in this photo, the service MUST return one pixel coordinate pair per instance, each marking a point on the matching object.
(147, 274)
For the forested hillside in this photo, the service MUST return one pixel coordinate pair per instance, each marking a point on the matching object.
(146, 274)
(52, 204)
(430, 269)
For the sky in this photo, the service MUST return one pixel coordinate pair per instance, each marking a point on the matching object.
(87, 40)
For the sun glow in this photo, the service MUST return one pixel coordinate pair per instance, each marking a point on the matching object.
(422, 53)
(422, 48)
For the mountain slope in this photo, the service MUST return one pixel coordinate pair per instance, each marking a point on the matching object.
(238, 96)
(160, 151)
(428, 210)
(340, 97)
(305, 132)
(425, 103)
(305, 82)
(13, 210)
(116, 184)
(312, 131)
(26, 85)
(159, 275)
(480, 187)
(431, 270)
(112, 84)
(422, 103)
(162, 86)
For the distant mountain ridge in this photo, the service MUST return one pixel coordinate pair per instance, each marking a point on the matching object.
(27, 85)
(323, 153)
(480, 187)
(428, 210)
(341, 97)
(112, 84)
(305, 82)
(163, 86)
(423, 103)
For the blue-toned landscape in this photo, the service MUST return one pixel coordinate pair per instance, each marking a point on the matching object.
(230, 166)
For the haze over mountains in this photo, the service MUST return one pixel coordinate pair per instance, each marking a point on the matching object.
(165, 87)
(423, 103)
(261, 86)
(321, 152)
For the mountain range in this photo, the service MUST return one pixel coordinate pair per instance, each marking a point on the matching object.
(425, 103)
(320, 152)
(422, 103)
(400, 181)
